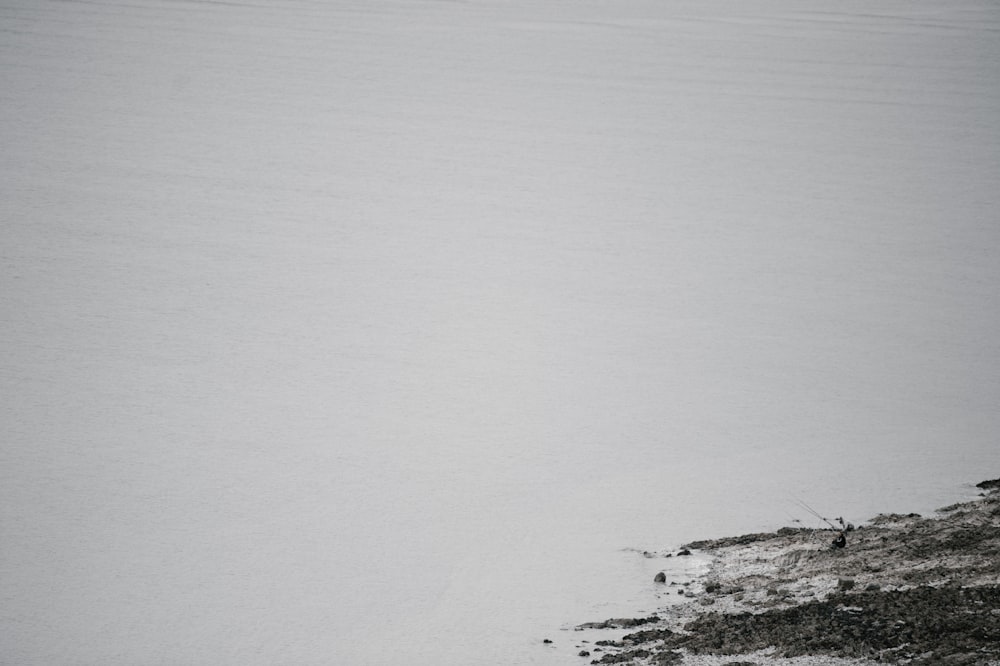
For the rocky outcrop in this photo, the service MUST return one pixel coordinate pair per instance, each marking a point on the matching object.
(907, 589)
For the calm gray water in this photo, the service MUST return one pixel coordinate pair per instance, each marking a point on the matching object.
(389, 332)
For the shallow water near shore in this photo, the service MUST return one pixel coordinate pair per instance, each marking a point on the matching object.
(395, 332)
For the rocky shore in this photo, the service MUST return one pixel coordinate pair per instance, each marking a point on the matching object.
(906, 589)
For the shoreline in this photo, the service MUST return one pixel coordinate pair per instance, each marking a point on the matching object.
(906, 589)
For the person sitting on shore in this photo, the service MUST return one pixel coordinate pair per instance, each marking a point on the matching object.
(840, 541)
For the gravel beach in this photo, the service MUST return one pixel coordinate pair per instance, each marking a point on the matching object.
(905, 589)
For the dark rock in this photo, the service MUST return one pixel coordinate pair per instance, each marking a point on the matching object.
(660, 658)
(660, 578)
(623, 657)
(884, 518)
(546, 641)
(648, 635)
(684, 552)
(620, 623)
(845, 584)
(583, 653)
(987, 485)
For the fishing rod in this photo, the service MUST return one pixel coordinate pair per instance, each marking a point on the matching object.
(814, 512)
